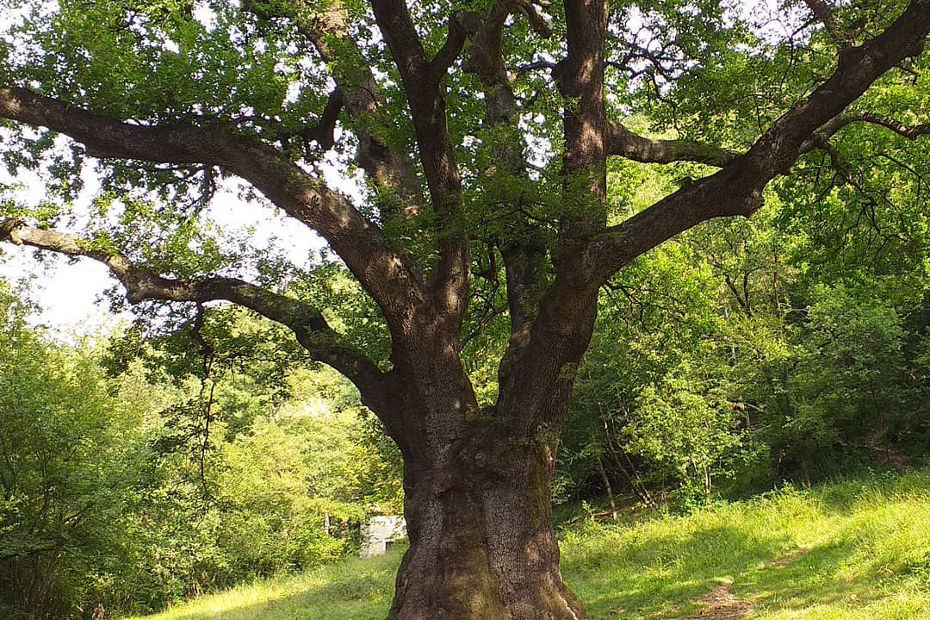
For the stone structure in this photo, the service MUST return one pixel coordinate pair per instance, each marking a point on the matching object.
(380, 533)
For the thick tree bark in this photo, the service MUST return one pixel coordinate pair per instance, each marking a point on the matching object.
(480, 524)
(478, 487)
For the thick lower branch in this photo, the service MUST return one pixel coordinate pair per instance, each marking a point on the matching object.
(389, 278)
(141, 284)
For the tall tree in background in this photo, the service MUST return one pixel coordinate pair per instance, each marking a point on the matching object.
(477, 170)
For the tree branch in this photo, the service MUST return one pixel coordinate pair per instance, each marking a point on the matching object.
(141, 284)
(389, 170)
(428, 110)
(386, 275)
(537, 21)
(824, 13)
(323, 133)
(911, 132)
(547, 350)
(580, 80)
(522, 249)
(623, 142)
(737, 188)
(446, 56)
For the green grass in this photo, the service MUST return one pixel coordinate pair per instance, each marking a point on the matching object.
(850, 550)
(352, 590)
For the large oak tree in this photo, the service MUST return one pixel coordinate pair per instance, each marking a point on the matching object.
(485, 131)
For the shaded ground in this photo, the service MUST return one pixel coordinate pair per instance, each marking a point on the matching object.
(851, 551)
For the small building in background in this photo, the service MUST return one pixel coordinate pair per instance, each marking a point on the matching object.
(380, 533)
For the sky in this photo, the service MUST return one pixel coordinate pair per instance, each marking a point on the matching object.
(67, 295)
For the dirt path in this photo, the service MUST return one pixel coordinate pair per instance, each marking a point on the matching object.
(720, 604)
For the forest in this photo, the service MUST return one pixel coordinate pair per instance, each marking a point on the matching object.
(578, 266)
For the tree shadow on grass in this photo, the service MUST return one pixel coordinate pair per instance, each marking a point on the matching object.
(676, 585)
(807, 577)
(658, 573)
(651, 577)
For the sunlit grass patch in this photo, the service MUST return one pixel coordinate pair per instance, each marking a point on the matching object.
(352, 590)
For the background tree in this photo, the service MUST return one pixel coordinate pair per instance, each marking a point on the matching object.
(477, 171)
(122, 492)
(64, 471)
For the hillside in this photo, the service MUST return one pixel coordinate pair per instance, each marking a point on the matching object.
(850, 550)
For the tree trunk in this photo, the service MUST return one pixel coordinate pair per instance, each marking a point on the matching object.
(482, 544)
(477, 483)
(607, 487)
(805, 472)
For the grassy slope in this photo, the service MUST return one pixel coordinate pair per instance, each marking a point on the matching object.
(858, 549)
